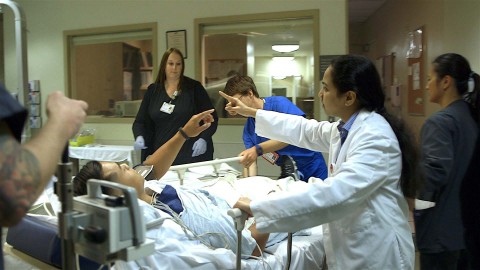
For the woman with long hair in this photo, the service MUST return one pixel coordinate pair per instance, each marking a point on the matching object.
(372, 170)
(167, 105)
(448, 139)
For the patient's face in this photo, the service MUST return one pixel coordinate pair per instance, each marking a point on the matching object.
(124, 175)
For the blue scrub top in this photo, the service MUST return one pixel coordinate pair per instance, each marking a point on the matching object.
(309, 163)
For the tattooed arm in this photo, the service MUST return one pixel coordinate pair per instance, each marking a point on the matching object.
(20, 178)
(26, 169)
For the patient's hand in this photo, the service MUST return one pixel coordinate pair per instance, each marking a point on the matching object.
(244, 204)
(198, 123)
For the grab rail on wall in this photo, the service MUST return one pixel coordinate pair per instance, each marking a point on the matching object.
(21, 52)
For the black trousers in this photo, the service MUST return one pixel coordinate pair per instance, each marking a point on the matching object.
(451, 260)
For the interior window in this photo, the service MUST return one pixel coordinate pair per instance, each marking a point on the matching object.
(242, 45)
(111, 68)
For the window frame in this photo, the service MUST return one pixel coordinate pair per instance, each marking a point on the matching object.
(201, 23)
(68, 37)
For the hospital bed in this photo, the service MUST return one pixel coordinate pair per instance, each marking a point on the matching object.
(173, 250)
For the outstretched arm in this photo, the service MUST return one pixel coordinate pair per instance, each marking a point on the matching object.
(164, 156)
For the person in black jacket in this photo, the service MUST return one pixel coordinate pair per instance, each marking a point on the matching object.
(167, 105)
(470, 204)
(447, 142)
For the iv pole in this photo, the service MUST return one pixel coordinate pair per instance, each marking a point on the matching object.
(64, 191)
(64, 188)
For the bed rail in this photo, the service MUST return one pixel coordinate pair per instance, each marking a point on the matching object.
(239, 218)
(180, 169)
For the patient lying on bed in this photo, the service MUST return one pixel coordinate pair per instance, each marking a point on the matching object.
(200, 211)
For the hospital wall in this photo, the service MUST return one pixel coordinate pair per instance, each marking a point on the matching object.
(47, 19)
(449, 26)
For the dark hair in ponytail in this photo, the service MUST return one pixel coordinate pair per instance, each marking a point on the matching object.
(457, 67)
(357, 73)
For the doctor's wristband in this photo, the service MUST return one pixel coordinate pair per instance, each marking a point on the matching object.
(184, 135)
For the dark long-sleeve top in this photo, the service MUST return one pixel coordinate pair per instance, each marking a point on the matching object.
(14, 116)
(470, 202)
(158, 127)
(12, 112)
(447, 142)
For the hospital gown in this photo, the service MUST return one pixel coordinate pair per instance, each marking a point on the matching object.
(203, 212)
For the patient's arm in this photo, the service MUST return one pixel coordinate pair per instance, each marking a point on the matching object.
(261, 239)
(164, 156)
(244, 204)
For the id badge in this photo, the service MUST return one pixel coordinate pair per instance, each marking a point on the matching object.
(271, 157)
(167, 108)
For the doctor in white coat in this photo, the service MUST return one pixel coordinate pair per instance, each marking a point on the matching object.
(362, 204)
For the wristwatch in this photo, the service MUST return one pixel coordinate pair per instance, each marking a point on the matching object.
(183, 133)
(259, 150)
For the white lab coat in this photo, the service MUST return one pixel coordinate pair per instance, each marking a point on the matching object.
(361, 206)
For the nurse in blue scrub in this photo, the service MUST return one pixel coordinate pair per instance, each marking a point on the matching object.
(308, 163)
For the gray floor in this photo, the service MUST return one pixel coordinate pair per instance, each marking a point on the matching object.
(11, 262)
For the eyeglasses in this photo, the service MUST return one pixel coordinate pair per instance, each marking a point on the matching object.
(239, 96)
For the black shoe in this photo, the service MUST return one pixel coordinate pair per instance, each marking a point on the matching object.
(289, 168)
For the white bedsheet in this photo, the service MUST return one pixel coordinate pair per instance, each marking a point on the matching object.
(307, 252)
(173, 249)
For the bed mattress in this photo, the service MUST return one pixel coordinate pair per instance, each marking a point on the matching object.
(37, 237)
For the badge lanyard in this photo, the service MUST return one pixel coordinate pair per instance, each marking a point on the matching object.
(168, 107)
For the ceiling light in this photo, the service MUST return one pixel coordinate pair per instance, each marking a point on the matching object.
(283, 48)
(283, 58)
